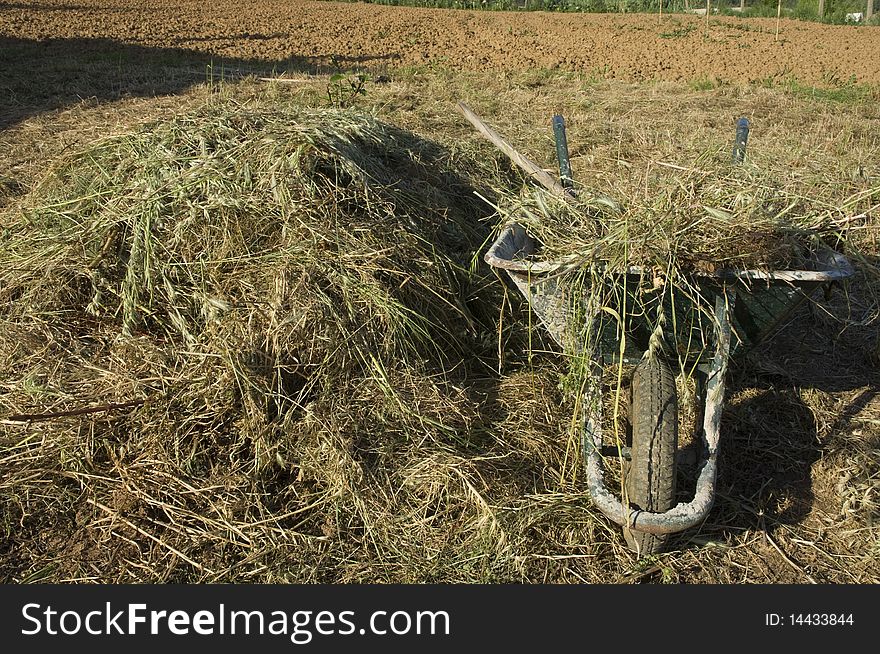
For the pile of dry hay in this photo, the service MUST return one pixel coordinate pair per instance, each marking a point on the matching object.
(700, 216)
(282, 304)
(279, 453)
(675, 220)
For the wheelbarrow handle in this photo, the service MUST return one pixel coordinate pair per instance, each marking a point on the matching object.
(742, 138)
(536, 173)
(565, 177)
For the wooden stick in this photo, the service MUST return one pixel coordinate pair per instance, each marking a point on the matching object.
(285, 80)
(778, 14)
(528, 166)
(31, 417)
(708, 6)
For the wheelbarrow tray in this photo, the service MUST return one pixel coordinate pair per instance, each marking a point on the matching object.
(764, 299)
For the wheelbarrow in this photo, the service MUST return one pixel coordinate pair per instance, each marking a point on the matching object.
(620, 317)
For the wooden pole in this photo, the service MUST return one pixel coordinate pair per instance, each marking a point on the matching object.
(870, 11)
(113, 406)
(528, 166)
(708, 6)
(778, 14)
(821, 9)
(742, 6)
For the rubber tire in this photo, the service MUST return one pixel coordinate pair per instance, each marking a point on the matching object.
(650, 475)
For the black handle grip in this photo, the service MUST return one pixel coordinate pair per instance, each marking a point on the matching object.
(742, 138)
(562, 152)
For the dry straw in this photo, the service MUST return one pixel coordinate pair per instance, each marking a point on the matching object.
(274, 308)
(266, 355)
(696, 219)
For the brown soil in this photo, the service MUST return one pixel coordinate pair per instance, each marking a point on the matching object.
(312, 33)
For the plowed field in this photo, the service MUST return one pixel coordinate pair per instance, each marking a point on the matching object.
(308, 32)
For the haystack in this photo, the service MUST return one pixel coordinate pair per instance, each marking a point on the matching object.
(266, 315)
(691, 220)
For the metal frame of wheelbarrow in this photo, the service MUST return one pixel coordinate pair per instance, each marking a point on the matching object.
(686, 514)
(542, 284)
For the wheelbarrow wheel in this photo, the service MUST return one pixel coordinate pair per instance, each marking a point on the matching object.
(650, 475)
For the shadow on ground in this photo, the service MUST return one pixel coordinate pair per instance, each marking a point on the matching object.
(792, 399)
(45, 75)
